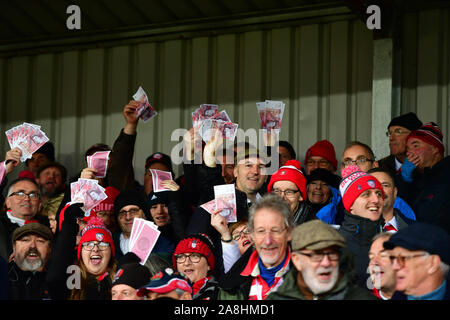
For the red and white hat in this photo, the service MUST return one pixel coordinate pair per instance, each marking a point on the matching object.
(355, 182)
(199, 243)
(96, 231)
(291, 171)
(429, 133)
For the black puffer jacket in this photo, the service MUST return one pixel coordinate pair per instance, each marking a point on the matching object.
(26, 285)
(428, 194)
(358, 232)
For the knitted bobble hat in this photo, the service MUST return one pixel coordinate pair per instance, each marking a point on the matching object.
(96, 231)
(355, 182)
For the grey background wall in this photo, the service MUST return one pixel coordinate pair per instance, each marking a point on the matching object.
(321, 70)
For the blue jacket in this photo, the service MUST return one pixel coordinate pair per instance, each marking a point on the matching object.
(404, 208)
(329, 212)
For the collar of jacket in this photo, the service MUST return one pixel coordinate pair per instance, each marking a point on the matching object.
(438, 167)
(362, 228)
(17, 274)
(252, 268)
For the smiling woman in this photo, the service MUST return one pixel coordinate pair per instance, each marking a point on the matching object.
(90, 276)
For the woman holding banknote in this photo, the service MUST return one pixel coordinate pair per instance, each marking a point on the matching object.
(86, 271)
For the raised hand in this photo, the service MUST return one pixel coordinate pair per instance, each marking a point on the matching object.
(220, 224)
(12, 159)
(131, 118)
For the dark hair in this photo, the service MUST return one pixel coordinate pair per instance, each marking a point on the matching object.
(374, 170)
(365, 146)
(48, 149)
(288, 146)
(58, 165)
(96, 147)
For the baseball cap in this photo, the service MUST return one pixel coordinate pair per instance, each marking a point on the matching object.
(422, 236)
(165, 281)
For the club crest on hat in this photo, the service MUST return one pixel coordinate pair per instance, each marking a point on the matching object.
(157, 156)
(282, 172)
(157, 276)
(99, 236)
(154, 197)
(359, 187)
(169, 271)
(118, 275)
(371, 183)
(194, 244)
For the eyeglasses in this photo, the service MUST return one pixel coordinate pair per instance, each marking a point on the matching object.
(359, 161)
(133, 212)
(89, 246)
(22, 195)
(288, 192)
(396, 132)
(322, 163)
(318, 256)
(402, 259)
(274, 233)
(194, 257)
(236, 236)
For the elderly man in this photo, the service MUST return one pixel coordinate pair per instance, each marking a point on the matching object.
(421, 256)
(290, 184)
(316, 251)
(259, 272)
(426, 175)
(362, 197)
(398, 129)
(128, 280)
(32, 245)
(382, 275)
(23, 202)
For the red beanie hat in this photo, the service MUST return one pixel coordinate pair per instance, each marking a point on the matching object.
(108, 203)
(324, 149)
(291, 171)
(355, 182)
(196, 243)
(429, 133)
(96, 231)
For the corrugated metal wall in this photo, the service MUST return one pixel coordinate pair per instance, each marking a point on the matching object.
(323, 72)
(426, 67)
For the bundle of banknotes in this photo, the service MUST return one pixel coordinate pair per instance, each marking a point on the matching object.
(207, 120)
(225, 201)
(145, 110)
(88, 192)
(143, 237)
(270, 114)
(27, 137)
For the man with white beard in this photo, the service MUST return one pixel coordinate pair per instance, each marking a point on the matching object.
(32, 247)
(316, 253)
